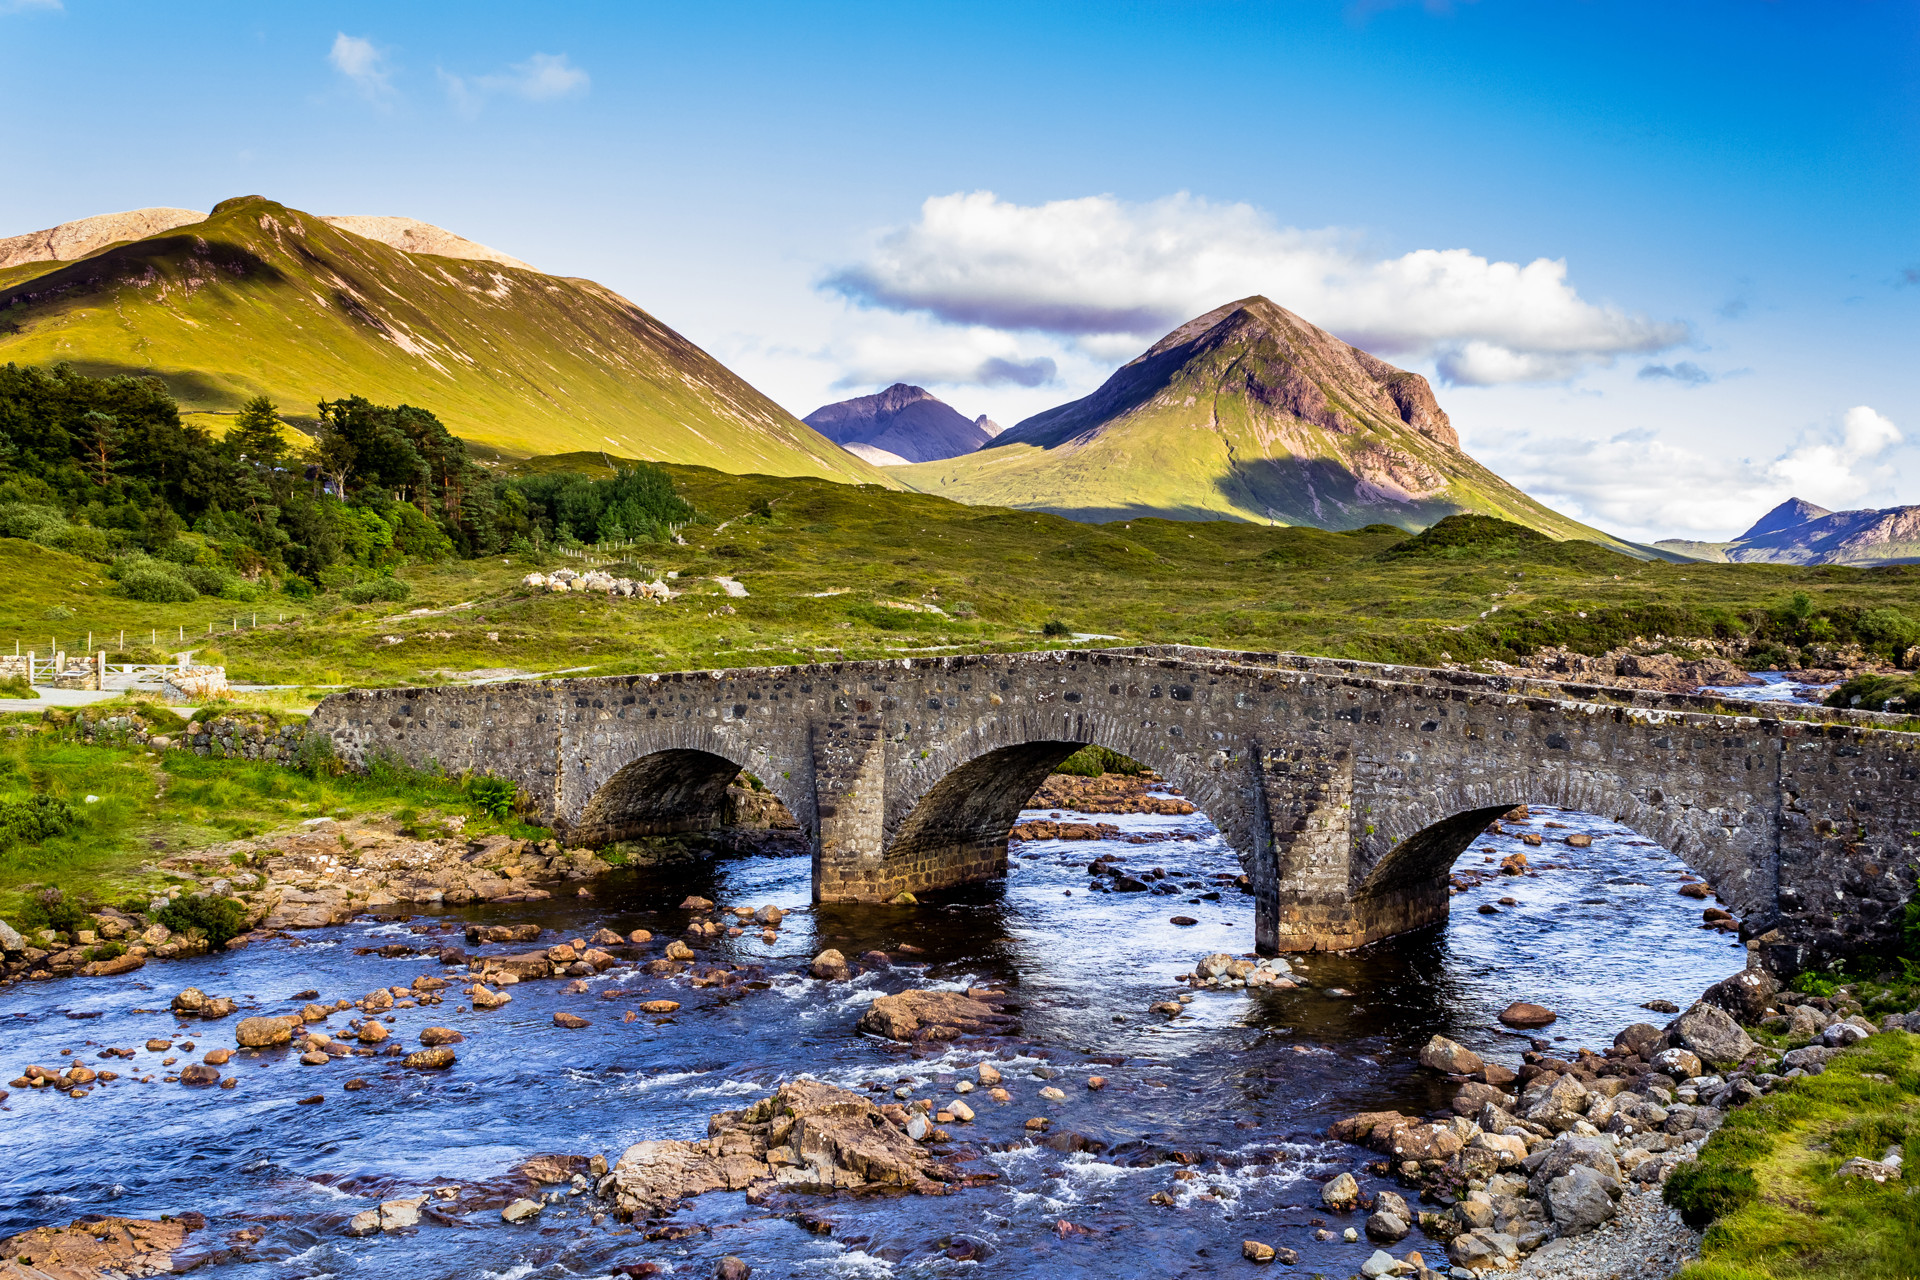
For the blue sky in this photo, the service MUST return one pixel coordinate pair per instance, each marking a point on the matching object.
(1663, 261)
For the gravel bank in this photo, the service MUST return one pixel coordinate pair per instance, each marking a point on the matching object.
(1647, 1241)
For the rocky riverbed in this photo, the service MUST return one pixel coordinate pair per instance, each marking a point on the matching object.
(444, 1089)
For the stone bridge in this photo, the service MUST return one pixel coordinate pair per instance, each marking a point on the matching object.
(1347, 788)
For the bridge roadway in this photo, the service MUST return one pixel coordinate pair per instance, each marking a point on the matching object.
(1348, 788)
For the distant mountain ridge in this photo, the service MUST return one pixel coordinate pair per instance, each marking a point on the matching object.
(1246, 413)
(900, 425)
(256, 298)
(1798, 532)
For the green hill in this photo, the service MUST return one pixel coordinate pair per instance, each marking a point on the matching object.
(1246, 413)
(262, 299)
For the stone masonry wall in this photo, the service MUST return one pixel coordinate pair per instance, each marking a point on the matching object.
(1348, 788)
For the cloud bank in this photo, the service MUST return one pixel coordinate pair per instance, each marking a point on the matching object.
(1640, 483)
(1108, 275)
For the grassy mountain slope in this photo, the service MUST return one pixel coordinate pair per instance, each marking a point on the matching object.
(260, 298)
(1246, 413)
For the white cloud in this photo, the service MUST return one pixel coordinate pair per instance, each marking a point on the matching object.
(364, 66)
(543, 77)
(1107, 274)
(1640, 484)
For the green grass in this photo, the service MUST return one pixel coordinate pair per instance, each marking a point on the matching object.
(1770, 1170)
(186, 802)
(262, 299)
(839, 571)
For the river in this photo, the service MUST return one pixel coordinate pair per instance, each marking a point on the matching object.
(1224, 1108)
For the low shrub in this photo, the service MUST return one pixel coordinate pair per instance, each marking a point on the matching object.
(220, 919)
(155, 585)
(392, 590)
(16, 687)
(1056, 628)
(493, 796)
(1701, 1191)
(57, 910)
(35, 819)
(1900, 694)
(1091, 761)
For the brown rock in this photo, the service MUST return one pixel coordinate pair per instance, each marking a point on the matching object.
(98, 1247)
(1522, 1014)
(1692, 890)
(112, 966)
(1254, 1251)
(199, 1073)
(261, 1033)
(486, 998)
(440, 1035)
(931, 1015)
(1580, 841)
(605, 937)
(571, 1021)
(694, 902)
(678, 950)
(218, 1057)
(1497, 1076)
(836, 1139)
(659, 1006)
(640, 937)
(372, 1031)
(829, 965)
(1442, 1054)
(430, 1059)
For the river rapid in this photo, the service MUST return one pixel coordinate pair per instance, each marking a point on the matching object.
(1223, 1109)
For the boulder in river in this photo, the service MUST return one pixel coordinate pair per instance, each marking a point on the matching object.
(440, 1035)
(1522, 1014)
(829, 965)
(1341, 1194)
(808, 1136)
(261, 1033)
(430, 1059)
(485, 998)
(1449, 1056)
(932, 1015)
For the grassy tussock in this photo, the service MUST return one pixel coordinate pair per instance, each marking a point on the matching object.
(1785, 1216)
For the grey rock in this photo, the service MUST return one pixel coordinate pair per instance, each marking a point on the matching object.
(1580, 1200)
(1842, 1034)
(1861, 1167)
(1640, 1038)
(10, 939)
(1388, 1227)
(1709, 1033)
(1681, 1064)
(1745, 995)
(1564, 1153)
(1812, 1056)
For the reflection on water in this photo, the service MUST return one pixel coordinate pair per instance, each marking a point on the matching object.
(1242, 1087)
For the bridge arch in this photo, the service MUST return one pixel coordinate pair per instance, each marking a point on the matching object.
(954, 811)
(1404, 883)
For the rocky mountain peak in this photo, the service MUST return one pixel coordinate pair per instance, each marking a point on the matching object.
(901, 424)
(74, 240)
(1794, 511)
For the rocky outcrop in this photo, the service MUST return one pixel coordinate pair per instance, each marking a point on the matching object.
(413, 236)
(96, 1248)
(73, 240)
(807, 1136)
(1110, 793)
(1711, 1034)
(932, 1015)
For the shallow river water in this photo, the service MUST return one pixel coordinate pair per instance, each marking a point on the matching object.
(1242, 1088)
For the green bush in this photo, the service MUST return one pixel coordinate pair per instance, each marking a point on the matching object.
(56, 613)
(1889, 630)
(30, 520)
(35, 819)
(393, 590)
(84, 540)
(1055, 627)
(206, 579)
(1879, 693)
(1703, 1191)
(16, 687)
(53, 909)
(316, 757)
(220, 919)
(493, 796)
(1092, 761)
(151, 583)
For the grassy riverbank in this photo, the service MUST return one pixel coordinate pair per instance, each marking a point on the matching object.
(1768, 1172)
(837, 571)
(131, 807)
